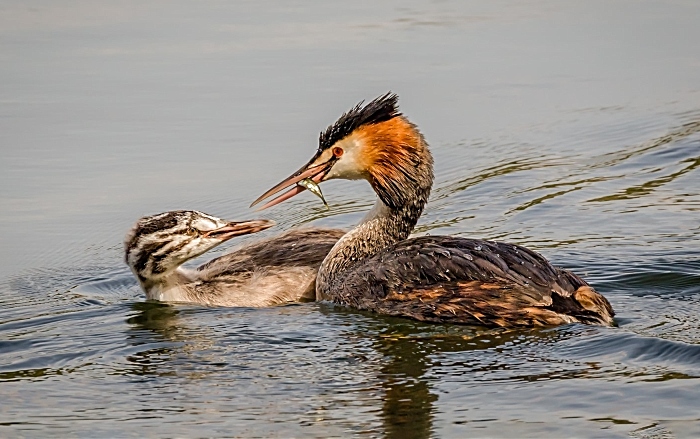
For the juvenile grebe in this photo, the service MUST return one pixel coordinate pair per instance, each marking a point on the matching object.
(276, 270)
(430, 278)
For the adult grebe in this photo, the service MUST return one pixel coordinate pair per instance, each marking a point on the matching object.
(276, 270)
(430, 278)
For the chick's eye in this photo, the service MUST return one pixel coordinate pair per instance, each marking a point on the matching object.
(338, 151)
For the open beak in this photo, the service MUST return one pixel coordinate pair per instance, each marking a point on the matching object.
(310, 172)
(233, 229)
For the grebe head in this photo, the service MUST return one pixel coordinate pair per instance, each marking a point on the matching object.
(158, 244)
(374, 142)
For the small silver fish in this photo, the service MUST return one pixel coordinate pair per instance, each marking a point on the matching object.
(314, 188)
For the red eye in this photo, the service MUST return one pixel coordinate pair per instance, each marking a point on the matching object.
(337, 151)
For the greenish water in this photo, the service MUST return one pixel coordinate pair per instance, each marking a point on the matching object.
(570, 127)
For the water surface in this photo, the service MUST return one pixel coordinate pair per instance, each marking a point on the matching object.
(570, 127)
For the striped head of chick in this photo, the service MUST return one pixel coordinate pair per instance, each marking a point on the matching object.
(158, 244)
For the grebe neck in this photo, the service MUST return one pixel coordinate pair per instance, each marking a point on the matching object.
(172, 287)
(382, 227)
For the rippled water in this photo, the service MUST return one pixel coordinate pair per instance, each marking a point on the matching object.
(569, 127)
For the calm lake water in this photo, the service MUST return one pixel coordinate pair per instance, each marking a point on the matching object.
(572, 127)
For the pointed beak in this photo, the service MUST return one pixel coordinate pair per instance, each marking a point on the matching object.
(312, 171)
(233, 229)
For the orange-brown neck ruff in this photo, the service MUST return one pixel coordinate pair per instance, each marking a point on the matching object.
(397, 159)
(400, 169)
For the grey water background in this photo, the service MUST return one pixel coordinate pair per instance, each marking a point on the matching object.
(572, 127)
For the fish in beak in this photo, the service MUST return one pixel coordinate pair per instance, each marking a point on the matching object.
(308, 177)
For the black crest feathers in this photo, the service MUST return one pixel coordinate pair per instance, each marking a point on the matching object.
(381, 109)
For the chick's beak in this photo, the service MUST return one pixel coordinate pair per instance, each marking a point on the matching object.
(233, 229)
(312, 171)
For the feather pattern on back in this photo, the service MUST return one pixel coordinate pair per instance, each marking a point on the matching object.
(452, 279)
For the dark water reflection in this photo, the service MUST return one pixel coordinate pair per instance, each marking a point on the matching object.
(569, 127)
(313, 369)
